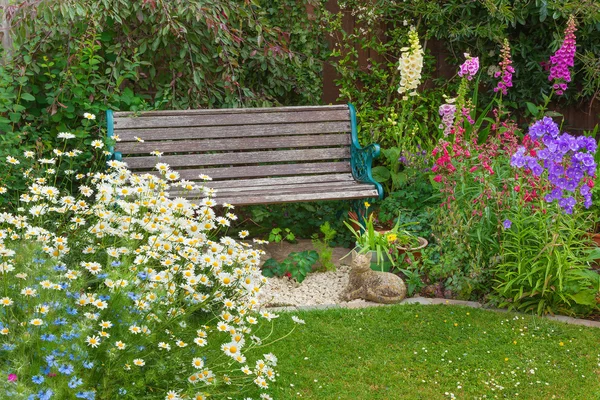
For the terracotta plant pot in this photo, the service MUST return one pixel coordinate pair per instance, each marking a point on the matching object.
(415, 251)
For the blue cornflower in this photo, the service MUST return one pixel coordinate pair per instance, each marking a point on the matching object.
(104, 297)
(8, 347)
(66, 369)
(45, 394)
(74, 382)
(51, 361)
(142, 275)
(37, 379)
(71, 311)
(60, 267)
(132, 296)
(86, 395)
(115, 263)
(48, 337)
(60, 321)
(88, 364)
(102, 276)
(507, 224)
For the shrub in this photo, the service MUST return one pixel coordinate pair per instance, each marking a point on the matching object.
(82, 55)
(119, 291)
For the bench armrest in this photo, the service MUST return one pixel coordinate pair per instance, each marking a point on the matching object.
(110, 133)
(361, 158)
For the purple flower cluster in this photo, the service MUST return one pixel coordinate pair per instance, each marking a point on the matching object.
(447, 112)
(506, 70)
(470, 67)
(418, 160)
(569, 161)
(563, 59)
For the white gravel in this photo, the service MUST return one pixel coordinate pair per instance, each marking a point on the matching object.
(318, 288)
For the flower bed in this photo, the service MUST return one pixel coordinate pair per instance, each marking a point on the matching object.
(115, 290)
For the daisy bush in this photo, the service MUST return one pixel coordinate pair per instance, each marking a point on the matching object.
(111, 288)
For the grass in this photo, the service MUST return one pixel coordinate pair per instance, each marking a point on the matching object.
(435, 352)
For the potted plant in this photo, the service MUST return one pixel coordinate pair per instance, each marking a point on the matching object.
(384, 246)
(411, 245)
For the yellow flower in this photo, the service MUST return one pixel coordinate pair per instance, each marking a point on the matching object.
(367, 204)
(391, 237)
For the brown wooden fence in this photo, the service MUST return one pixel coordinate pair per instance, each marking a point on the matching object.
(579, 117)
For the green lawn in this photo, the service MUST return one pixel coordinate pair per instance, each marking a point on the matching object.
(435, 352)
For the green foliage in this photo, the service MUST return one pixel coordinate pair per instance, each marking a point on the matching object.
(543, 268)
(296, 265)
(304, 218)
(412, 278)
(322, 246)
(277, 235)
(413, 204)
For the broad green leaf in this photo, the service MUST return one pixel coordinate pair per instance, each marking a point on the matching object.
(381, 174)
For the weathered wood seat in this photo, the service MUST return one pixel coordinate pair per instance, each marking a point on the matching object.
(255, 155)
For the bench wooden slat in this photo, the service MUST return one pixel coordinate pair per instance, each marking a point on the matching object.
(309, 187)
(222, 111)
(298, 197)
(251, 192)
(265, 170)
(184, 146)
(301, 179)
(253, 157)
(232, 131)
(232, 119)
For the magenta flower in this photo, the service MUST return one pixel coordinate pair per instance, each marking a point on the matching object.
(12, 377)
(506, 70)
(470, 67)
(447, 112)
(563, 59)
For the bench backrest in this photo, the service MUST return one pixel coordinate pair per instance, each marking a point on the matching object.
(237, 143)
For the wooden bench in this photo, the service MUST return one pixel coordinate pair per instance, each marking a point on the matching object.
(254, 155)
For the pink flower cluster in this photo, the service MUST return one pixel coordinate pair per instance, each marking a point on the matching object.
(506, 70)
(447, 112)
(563, 59)
(470, 67)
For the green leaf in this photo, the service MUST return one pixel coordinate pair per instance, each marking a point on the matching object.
(27, 97)
(586, 297)
(381, 174)
(553, 114)
(14, 117)
(533, 109)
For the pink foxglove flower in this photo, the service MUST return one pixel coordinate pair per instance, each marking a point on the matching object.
(563, 59)
(470, 67)
(506, 70)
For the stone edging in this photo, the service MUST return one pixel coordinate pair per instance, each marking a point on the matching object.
(432, 301)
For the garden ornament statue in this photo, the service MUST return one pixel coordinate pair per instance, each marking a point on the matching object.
(376, 286)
